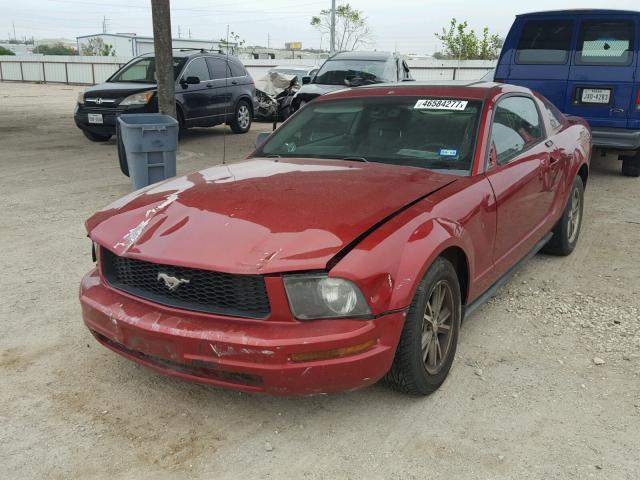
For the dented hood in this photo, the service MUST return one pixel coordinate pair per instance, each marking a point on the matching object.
(259, 216)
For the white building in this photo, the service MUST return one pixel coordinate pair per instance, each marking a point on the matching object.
(132, 45)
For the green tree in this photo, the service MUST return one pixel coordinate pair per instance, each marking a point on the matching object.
(96, 47)
(55, 49)
(352, 27)
(6, 51)
(461, 44)
(234, 38)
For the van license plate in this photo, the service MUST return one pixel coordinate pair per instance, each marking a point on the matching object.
(95, 118)
(596, 95)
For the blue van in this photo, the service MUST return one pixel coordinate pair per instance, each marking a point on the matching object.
(586, 63)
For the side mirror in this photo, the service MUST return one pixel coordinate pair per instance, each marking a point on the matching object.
(306, 79)
(261, 138)
(192, 80)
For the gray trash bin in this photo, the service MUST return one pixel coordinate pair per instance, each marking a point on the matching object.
(150, 141)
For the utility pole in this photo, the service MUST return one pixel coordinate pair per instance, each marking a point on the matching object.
(105, 24)
(179, 32)
(14, 29)
(332, 44)
(161, 16)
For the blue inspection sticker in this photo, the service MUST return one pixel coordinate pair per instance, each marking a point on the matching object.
(446, 152)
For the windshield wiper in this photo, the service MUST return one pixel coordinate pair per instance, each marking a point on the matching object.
(355, 159)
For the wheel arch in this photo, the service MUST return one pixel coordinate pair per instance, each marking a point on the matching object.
(583, 172)
(460, 262)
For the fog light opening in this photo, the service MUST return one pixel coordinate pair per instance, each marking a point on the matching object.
(334, 353)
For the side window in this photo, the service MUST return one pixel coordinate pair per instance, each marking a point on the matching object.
(545, 42)
(516, 127)
(197, 68)
(218, 68)
(605, 43)
(237, 70)
(553, 114)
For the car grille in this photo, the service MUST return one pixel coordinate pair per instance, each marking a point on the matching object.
(200, 290)
(103, 110)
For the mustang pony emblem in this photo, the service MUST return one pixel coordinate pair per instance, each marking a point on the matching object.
(170, 282)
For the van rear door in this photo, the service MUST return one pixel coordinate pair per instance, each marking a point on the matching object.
(601, 85)
(540, 60)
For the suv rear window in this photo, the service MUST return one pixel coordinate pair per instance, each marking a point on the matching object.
(545, 42)
(605, 43)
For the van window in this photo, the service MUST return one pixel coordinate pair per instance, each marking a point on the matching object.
(545, 42)
(516, 127)
(605, 43)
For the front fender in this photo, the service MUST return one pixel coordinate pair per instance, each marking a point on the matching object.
(389, 264)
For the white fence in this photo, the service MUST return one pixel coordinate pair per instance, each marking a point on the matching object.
(91, 70)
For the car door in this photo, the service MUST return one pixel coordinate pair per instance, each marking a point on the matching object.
(518, 163)
(223, 84)
(196, 98)
(602, 79)
(542, 55)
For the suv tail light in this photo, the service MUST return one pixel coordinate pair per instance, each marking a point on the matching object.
(638, 99)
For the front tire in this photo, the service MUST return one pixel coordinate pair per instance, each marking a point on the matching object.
(429, 337)
(96, 137)
(241, 122)
(567, 230)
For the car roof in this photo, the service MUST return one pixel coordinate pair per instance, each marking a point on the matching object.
(293, 67)
(472, 90)
(191, 53)
(373, 56)
(581, 11)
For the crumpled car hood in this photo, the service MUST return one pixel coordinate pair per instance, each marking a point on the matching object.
(259, 216)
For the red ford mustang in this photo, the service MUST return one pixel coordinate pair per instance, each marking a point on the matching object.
(347, 248)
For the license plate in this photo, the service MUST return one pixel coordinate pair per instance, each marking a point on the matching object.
(95, 118)
(596, 95)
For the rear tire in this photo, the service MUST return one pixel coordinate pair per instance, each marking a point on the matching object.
(96, 137)
(422, 361)
(567, 230)
(631, 166)
(241, 122)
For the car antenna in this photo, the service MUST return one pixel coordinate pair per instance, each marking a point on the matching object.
(226, 88)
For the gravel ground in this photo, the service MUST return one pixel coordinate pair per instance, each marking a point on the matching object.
(546, 384)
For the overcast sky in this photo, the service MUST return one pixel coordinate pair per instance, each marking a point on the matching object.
(408, 25)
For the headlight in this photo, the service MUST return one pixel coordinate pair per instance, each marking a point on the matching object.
(319, 296)
(141, 98)
(81, 98)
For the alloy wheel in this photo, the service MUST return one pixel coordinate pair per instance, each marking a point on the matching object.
(437, 327)
(244, 116)
(574, 216)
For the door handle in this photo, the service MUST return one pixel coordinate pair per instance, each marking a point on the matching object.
(549, 143)
(209, 85)
(234, 82)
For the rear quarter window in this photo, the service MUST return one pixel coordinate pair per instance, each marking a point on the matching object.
(605, 43)
(545, 42)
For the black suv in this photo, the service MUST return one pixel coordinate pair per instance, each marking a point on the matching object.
(211, 88)
(352, 69)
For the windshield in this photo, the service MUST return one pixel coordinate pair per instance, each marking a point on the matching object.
(353, 72)
(438, 134)
(143, 70)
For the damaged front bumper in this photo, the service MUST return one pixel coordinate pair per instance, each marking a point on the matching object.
(244, 354)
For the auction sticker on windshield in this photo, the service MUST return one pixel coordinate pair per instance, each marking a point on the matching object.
(440, 104)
